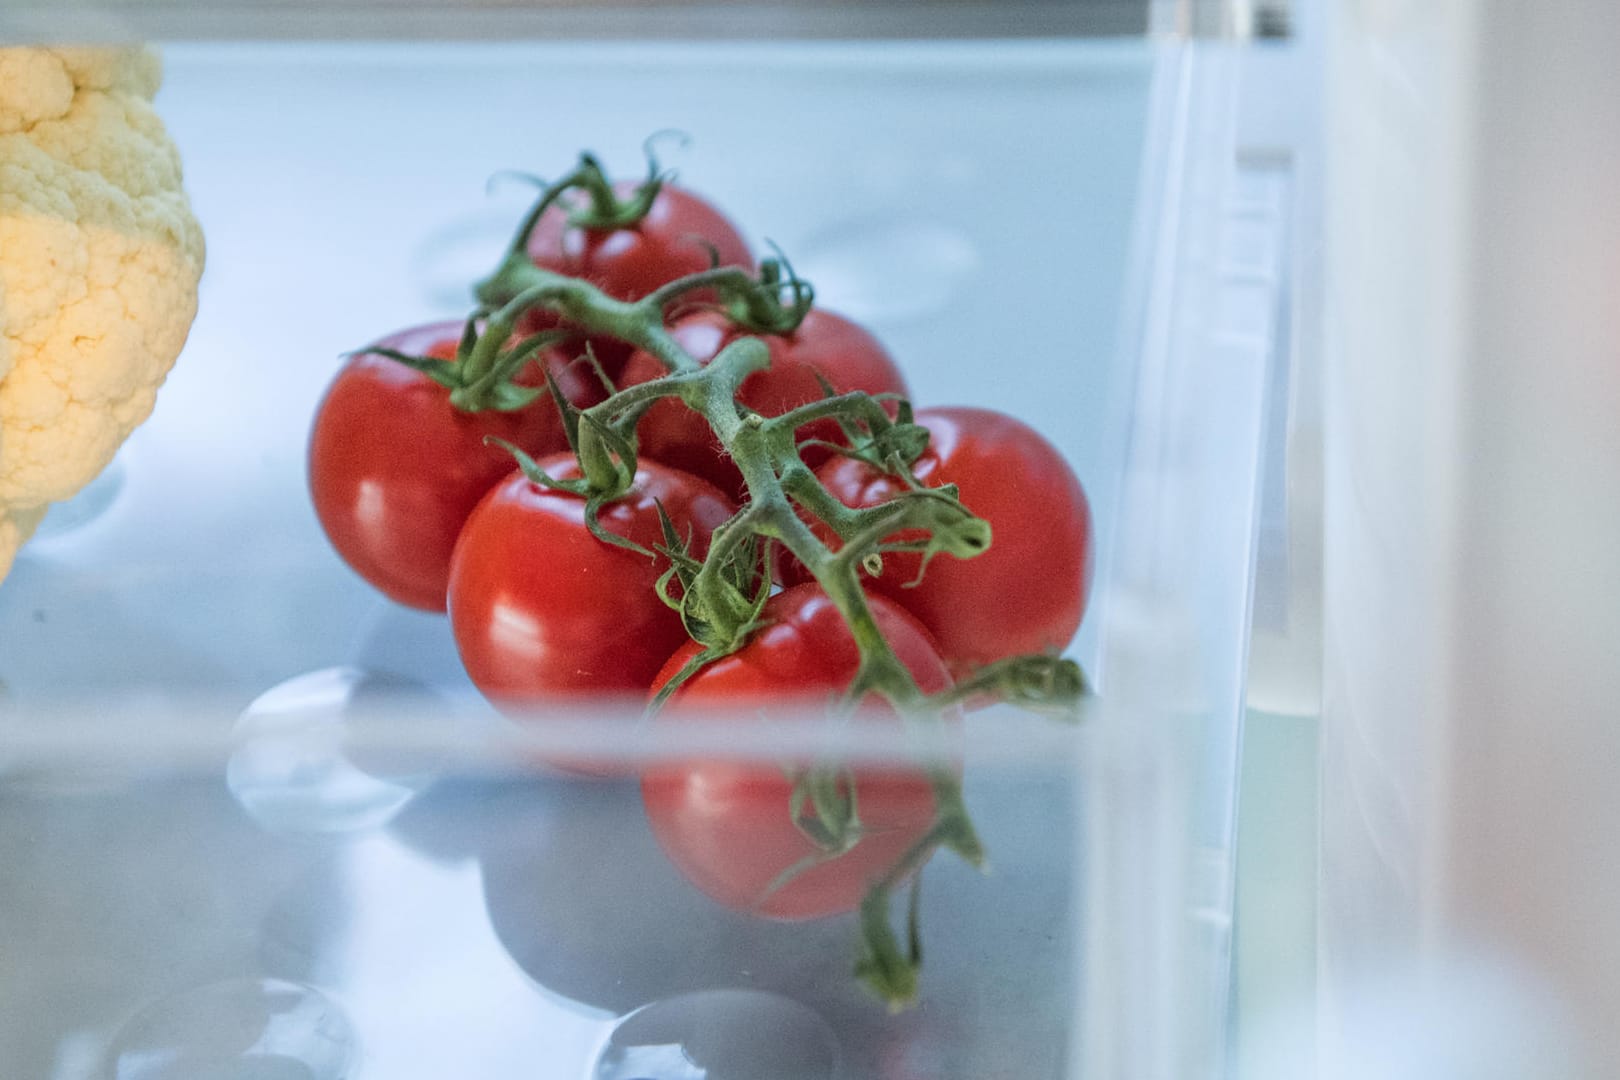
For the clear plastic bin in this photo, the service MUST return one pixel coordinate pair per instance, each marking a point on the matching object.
(212, 846)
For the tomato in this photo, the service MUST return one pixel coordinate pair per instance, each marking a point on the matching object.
(727, 825)
(543, 610)
(841, 352)
(1025, 594)
(672, 241)
(395, 468)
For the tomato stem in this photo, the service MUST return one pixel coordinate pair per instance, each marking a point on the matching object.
(715, 600)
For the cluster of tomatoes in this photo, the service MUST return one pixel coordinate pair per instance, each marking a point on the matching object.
(424, 498)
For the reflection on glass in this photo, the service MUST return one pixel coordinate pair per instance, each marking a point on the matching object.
(243, 1029)
(721, 1035)
(93, 500)
(292, 771)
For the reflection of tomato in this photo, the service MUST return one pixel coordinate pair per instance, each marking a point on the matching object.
(541, 608)
(394, 468)
(582, 899)
(1028, 592)
(728, 825)
(824, 345)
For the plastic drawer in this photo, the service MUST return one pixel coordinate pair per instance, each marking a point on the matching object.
(209, 846)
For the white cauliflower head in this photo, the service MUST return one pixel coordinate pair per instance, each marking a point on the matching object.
(99, 262)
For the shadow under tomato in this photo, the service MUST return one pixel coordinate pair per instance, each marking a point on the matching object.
(578, 895)
(585, 902)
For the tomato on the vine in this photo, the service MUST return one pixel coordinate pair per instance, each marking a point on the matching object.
(1027, 593)
(826, 346)
(681, 234)
(395, 468)
(543, 610)
(728, 825)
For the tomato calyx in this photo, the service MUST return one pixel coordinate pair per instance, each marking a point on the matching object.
(761, 309)
(601, 209)
(882, 965)
(1040, 683)
(888, 445)
(824, 808)
(595, 496)
(482, 373)
(774, 302)
(721, 608)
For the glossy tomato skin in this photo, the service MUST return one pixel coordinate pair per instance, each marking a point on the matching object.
(394, 468)
(1028, 592)
(843, 353)
(544, 611)
(727, 825)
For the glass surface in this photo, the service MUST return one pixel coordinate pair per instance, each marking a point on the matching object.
(500, 927)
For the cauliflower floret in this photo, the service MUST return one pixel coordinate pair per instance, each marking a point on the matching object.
(99, 262)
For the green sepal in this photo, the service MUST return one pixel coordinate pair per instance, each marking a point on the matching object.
(1037, 681)
(682, 567)
(958, 836)
(471, 391)
(853, 435)
(438, 370)
(699, 660)
(506, 397)
(494, 389)
(833, 823)
(594, 499)
(533, 472)
(891, 447)
(602, 377)
(534, 180)
(593, 510)
(887, 970)
(565, 409)
(774, 303)
(605, 210)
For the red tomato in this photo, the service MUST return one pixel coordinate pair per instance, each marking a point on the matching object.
(541, 609)
(844, 354)
(672, 241)
(727, 825)
(394, 468)
(1028, 592)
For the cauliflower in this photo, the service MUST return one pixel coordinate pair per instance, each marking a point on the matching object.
(99, 263)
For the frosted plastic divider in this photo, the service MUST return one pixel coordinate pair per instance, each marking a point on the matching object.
(1178, 612)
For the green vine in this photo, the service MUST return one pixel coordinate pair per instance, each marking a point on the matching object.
(720, 597)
